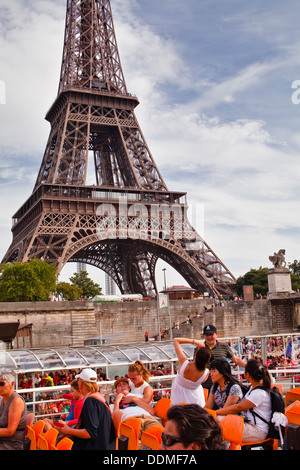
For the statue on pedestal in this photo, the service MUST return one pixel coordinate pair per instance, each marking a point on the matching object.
(278, 259)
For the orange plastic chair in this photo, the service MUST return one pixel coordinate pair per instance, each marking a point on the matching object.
(293, 414)
(30, 434)
(279, 386)
(64, 444)
(152, 437)
(205, 390)
(273, 443)
(29, 420)
(38, 428)
(211, 412)
(46, 440)
(232, 427)
(131, 429)
(117, 417)
(292, 395)
(161, 408)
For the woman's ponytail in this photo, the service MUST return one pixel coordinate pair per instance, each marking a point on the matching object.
(258, 372)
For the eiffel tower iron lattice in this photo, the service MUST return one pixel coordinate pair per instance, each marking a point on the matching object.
(129, 219)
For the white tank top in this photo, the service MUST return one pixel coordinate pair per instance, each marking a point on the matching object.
(138, 391)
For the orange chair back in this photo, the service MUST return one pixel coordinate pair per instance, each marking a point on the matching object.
(131, 429)
(29, 420)
(279, 386)
(64, 444)
(161, 408)
(149, 440)
(211, 412)
(293, 414)
(46, 440)
(292, 395)
(32, 437)
(152, 437)
(38, 427)
(205, 390)
(232, 427)
(117, 417)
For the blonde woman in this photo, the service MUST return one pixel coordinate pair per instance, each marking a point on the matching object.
(139, 383)
(95, 430)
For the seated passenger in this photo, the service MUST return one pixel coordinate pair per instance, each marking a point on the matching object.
(258, 399)
(226, 389)
(136, 407)
(13, 413)
(191, 427)
(139, 382)
(95, 429)
(77, 399)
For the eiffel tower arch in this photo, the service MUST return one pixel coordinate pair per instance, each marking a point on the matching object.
(129, 219)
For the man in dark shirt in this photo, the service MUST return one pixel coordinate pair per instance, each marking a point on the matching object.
(218, 350)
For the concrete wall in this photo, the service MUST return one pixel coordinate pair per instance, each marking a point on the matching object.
(69, 323)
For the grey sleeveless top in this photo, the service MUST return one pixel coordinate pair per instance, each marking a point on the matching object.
(15, 442)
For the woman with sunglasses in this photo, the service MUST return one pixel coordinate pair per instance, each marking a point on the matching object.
(191, 427)
(13, 413)
(187, 387)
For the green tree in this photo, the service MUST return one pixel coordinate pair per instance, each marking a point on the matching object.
(295, 267)
(88, 287)
(255, 277)
(27, 282)
(295, 275)
(68, 291)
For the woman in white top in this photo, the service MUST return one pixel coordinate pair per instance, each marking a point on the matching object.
(187, 387)
(139, 382)
(258, 399)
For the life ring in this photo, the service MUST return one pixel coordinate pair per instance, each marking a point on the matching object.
(63, 405)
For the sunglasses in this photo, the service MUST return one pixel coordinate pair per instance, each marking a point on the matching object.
(168, 440)
(2, 384)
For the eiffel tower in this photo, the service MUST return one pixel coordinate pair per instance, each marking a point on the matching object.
(129, 219)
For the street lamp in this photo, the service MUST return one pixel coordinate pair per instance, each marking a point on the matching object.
(165, 283)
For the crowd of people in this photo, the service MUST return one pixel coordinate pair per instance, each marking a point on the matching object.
(89, 420)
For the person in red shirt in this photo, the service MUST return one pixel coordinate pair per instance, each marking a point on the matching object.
(77, 400)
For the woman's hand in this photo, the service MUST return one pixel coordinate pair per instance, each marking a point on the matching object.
(128, 399)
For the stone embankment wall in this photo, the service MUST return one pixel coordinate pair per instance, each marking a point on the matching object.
(70, 323)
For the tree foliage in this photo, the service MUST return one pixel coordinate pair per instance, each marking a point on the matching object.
(88, 287)
(68, 291)
(256, 278)
(27, 282)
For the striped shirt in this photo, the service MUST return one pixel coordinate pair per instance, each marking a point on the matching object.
(219, 351)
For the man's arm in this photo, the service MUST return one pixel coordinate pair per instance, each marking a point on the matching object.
(238, 361)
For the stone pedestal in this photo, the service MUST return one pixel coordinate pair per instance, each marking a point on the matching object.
(279, 282)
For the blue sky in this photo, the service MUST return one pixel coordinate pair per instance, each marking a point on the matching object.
(214, 79)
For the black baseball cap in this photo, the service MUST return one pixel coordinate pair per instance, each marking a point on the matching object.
(209, 330)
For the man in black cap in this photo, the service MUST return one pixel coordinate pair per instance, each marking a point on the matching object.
(218, 350)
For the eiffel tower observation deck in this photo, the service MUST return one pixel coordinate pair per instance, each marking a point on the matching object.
(129, 219)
